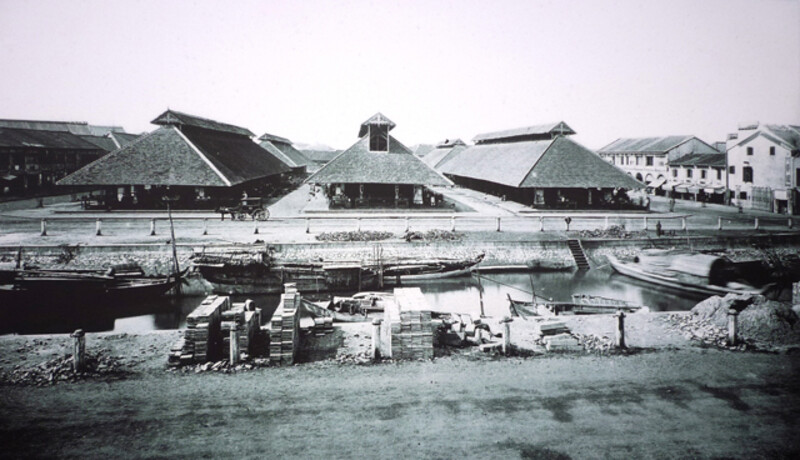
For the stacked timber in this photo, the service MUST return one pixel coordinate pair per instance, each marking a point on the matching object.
(552, 328)
(202, 337)
(410, 325)
(562, 342)
(285, 327)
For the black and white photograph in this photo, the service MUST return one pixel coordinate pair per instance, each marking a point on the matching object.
(425, 229)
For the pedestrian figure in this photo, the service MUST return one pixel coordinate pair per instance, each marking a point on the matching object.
(658, 228)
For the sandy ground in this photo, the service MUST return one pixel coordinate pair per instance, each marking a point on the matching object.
(667, 398)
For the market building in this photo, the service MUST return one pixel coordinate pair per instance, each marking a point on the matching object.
(283, 149)
(201, 163)
(542, 167)
(443, 151)
(647, 159)
(699, 177)
(32, 160)
(378, 171)
(764, 167)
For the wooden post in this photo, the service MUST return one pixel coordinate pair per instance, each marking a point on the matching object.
(78, 350)
(683, 223)
(44, 227)
(605, 226)
(255, 227)
(645, 223)
(619, 334)
(205, 226)
(453, 223)
(541, 223)
(234, 350)
(98, 227)
(498, 224)
(719, 223)
(506, 334)
(152, 227)
(755, 224)
(732, 314)
(308, 225)
(407, 224)
(790, 223)
(358, 224)
(376, 338)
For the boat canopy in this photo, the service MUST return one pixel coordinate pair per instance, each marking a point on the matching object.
(716, 269)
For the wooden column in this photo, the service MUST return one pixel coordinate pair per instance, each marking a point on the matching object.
(732, 314)
(152, 227)
(619, 333)
(44, 227)
(234, 349)
(98, 227)
(506, 334)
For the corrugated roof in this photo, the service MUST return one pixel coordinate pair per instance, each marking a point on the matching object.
(536, 130)
(173, 117)
(74, 127)
(190, 157)
(103, 142)
(124, 139)
(19, 137)
(644, 144)
(700, 159)
(554, 163)
(361, 166)
(273, 138)
(377, 119)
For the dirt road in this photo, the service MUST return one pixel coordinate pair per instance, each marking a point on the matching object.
(689, 403)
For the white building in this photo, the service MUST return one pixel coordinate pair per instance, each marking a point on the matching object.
(647, 159)
(764, 167)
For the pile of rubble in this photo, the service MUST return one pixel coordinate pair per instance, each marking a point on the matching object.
(613, 231)
(224, 366)
(433, 235)
(697, 329)
(61, 370)
(595, 344)
(361, 235)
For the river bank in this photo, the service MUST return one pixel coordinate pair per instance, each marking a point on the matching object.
(664, 402)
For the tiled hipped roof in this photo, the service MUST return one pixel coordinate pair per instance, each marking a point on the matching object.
(644, 144)
(34, 138)
(359, 165)
(555, 163)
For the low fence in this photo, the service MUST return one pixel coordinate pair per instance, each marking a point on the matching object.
(155, 226)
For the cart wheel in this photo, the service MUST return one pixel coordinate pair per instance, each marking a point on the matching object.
(241, 216)
(261, 214)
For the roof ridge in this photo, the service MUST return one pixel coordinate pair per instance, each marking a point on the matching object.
(525, 176)
(203, 156)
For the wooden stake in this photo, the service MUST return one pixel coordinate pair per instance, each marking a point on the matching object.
(619, 334)
(152, 227)
(78, 350)
(506, 334)
(732, 314)
(98, 228)
(44, 227)
(234, 349)
(205, 226)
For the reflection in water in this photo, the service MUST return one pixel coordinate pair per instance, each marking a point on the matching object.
(455, 294)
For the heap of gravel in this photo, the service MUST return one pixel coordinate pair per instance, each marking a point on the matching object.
(760, 320)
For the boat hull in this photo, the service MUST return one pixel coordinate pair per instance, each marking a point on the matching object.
(671, 282)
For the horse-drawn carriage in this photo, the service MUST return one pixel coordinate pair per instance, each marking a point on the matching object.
(248, 208)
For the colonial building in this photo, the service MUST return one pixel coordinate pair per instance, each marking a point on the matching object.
(282, 149)
(32, 160)
(764, 167)
(542, 167)
(377, 171)
(647, 159)
(699, 177)
(202, 161)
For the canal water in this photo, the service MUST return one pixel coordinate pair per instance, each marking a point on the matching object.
(462, 295)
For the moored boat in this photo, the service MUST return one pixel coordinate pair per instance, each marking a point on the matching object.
(698, 273)
(255, 272)
(581, 304)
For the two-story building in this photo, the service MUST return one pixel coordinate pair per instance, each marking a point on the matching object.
(647, 159)
(764, 167)
(699, 177)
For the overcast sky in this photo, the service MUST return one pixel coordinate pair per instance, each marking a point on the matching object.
(312, 71)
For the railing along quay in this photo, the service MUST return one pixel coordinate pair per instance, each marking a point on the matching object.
(199, 225)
